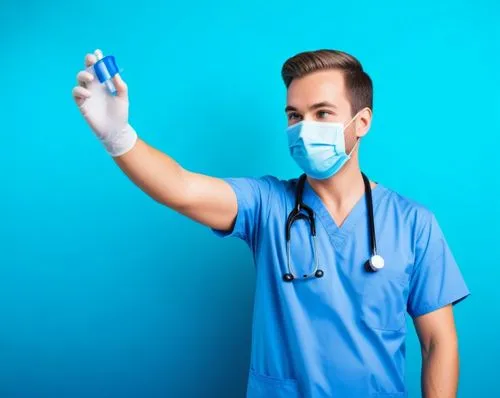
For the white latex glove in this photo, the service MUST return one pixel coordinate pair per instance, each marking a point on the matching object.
(107, 115)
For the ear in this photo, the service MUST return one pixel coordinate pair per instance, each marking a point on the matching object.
(363, 122)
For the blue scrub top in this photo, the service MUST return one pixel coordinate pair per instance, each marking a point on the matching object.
(342, 335)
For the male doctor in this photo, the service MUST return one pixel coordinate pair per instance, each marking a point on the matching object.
(331, 304)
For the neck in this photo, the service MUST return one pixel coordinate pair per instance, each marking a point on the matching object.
(343, 189)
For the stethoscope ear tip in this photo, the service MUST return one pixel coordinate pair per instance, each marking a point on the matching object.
(288, 277)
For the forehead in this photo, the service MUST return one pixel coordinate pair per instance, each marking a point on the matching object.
(325, 85)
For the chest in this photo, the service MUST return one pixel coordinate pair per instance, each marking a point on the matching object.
(347, 291)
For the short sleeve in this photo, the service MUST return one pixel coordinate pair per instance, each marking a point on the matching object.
(253, 196)
(436, 279)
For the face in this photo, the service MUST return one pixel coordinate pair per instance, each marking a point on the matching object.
(321, 97)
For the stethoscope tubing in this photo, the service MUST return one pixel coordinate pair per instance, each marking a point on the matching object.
(302, 211)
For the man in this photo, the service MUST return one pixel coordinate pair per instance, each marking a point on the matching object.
(326, 323)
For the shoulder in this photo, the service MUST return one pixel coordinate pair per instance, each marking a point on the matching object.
(270, 182)
(280, 192)
(284, 188)
(267, 188)
(416, 213)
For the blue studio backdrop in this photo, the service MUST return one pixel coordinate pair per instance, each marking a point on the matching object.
(106, 293)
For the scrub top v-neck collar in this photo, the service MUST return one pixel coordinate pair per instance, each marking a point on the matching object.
(358, 212)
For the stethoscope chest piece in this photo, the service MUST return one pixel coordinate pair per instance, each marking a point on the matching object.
(375, 263)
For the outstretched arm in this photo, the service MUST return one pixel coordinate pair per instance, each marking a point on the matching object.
(208, 200)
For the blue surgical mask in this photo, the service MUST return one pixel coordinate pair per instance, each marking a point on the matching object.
(318, 147)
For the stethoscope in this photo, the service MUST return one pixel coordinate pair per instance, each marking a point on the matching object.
(303, 212)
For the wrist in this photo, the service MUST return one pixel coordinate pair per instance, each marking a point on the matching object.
(120, 141)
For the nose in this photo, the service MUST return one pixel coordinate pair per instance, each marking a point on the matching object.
(304, 118)
(308, 116)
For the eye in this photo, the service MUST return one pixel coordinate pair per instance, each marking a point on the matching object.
(323, 114)
(293, 116)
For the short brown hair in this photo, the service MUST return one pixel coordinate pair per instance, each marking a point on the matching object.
(358, 84)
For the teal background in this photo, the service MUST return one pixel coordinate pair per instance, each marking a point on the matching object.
(105, 293)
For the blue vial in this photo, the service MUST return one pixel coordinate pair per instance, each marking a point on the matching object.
(105, 69)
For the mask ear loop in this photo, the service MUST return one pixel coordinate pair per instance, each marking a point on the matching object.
(357, 138)
(354, 117)
(354, 147)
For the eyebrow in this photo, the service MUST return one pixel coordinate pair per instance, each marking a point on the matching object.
(324, 104)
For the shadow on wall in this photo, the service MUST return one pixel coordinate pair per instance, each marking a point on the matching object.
(219, 279)
(211, 352)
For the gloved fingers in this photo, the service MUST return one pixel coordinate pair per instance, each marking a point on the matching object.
(84, 78)
(120, 85)
(80, 94)
(90, 59)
